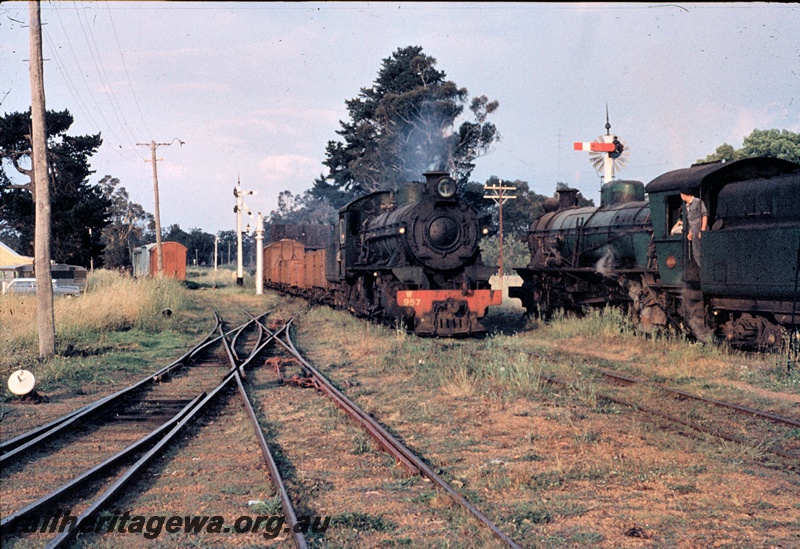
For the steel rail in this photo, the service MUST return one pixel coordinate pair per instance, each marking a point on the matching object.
(398, 449)
(256, 348)
(234, 339)
(50, 429)
(697, 427)
(142, 462)
(10, 523)
(721, 403)
(269, 460)
(211, 341)
(375, 430)
(30, 439)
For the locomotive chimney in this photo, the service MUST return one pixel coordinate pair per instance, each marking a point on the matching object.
(567, 198)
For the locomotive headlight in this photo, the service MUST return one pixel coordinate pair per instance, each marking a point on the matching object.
(402, 230)
(446, 187)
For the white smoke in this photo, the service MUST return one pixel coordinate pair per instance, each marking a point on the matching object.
(605, 265)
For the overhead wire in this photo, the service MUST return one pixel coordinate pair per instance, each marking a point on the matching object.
(71, 87)
(100, 111)
(127, 76)
(91, 95)
(103, 74)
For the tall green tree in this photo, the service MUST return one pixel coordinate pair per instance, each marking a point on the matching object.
(226, 247)
(174, 233)
(200, 245)
(128, 226)
(404, 125)
(301, 209)
(79, 210)
(772, 143)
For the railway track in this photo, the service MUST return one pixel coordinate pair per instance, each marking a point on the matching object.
(761, 430)
(413, 464)
(89, 465)
(93, 454)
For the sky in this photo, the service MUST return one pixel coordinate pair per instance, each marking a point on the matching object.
(255, 91)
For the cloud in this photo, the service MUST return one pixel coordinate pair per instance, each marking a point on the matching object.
(202, 86)
(288, 167)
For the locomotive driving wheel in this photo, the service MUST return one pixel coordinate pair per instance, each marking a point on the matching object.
(749, 330)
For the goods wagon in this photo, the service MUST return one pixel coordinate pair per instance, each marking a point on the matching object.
(145, 260)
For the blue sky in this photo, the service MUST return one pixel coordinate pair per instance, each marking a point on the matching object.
(256, 90)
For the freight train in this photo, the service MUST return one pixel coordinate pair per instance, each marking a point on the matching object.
(409, 255)
(628, 253)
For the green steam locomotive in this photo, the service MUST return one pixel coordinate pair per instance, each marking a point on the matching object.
(632, 253)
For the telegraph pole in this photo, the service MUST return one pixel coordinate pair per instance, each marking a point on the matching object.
(45, 314)
(154, 160)
(500, 196)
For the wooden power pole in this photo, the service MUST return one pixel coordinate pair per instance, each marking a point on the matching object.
(499, 196)
(41, 191)
(154, 160)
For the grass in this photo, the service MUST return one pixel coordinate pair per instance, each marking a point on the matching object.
(665, 358)
(418, 386)
(119, 326)
(363, 522)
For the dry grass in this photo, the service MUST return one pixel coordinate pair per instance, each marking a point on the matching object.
(111, 302)
(552, 466)
(459, 382)
(116, 310)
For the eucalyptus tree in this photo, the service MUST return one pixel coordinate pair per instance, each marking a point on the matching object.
(774, 143)
(411, 120)
(128, 224)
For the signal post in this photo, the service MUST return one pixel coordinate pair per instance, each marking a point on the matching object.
(240, 205)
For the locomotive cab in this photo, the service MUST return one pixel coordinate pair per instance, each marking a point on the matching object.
(723, 188)
(745, 286)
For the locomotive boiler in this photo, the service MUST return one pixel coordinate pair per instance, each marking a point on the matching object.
(629, 253)
(580, 248)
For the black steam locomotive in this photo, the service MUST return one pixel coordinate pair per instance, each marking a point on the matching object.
(412, 254)
(629, 253)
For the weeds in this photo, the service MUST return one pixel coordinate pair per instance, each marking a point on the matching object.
(271, 506)
(117, 313)
(363, 522)
(608, 322)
